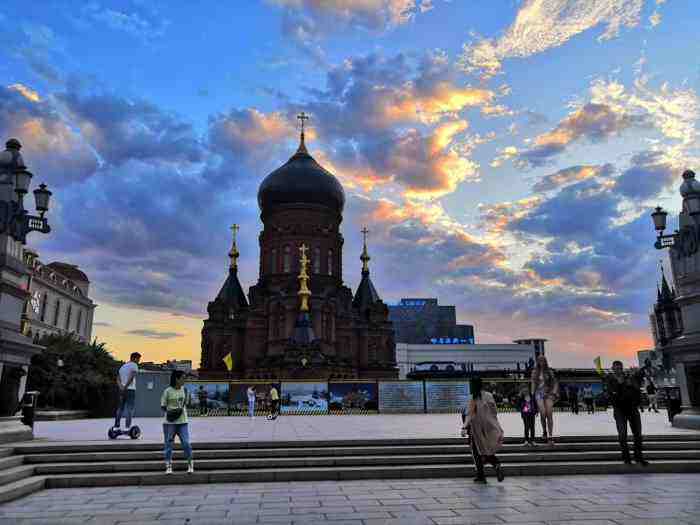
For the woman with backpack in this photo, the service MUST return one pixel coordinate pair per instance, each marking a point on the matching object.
(485, 433)
(173, 403)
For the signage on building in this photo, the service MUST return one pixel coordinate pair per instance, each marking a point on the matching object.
(451, 340)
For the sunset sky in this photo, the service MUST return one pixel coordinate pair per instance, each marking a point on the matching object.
(505, 155)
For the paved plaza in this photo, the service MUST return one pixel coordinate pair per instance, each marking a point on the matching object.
(288, 428)
(654, 499)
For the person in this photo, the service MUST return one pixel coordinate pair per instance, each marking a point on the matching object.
(173, 403)
(274, 402)
(673, 403)
(624, 391)
(485, 433)
(573, 399)
(251, 401)
(651, 394)
(588, 399)
(527, 408)
(202, 395)
(544, 383)
(126, 382)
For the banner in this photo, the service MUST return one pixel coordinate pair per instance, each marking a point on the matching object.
(401, 396)
(239, 397)
(207, 399)
(446, 396)
(304, 398)
(353, 397)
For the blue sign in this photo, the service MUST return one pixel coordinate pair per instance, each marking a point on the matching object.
(451, 341)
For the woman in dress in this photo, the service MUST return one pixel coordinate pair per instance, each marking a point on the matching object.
(544, 383)
(486, 434)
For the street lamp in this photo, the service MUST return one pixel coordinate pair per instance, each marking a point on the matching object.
(14, 219)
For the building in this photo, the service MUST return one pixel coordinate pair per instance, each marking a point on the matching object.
(170, 364)
(464, 357)
(423, 321)
(59, 301)
(281, 329)
(660, 373)
(537, 344)
(675, 317)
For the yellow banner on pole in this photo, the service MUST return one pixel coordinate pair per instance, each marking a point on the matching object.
(228, 360)
(598, 365)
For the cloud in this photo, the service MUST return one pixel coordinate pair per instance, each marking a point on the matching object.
(101, 323)
(139, 23)
(154, 334)
(26, 92)
(248, 132)
(545, 24)
(649, 173)
(570, 175)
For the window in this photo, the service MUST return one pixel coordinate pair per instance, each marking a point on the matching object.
(317, 260)
(330, 262)
(70, 309)
(57, 312)
(78, 323)
(273, 261)
(287, 260)
(44, 303)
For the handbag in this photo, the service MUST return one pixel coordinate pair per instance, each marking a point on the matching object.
(174, 414)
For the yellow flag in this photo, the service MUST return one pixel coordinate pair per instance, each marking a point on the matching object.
(598, 365)
(228, 360)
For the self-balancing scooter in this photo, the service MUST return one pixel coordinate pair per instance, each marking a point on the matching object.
(134, 432)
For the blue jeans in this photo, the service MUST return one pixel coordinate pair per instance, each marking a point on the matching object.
(251, 408)
(182, 430)
(127, 402)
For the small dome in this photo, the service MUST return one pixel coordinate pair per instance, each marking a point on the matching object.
(301, 180)
(690, 184)
(69, 270)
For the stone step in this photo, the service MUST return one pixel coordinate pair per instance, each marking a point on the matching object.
(12, 474)
(5, 452)
(361, 472)
(127, 445)
(11, 461)
(339, 451)
(350, 461)
(21, 488)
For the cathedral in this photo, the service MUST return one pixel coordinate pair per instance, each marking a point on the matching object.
(299, 321)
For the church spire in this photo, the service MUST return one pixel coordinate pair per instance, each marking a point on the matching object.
(303, 117)
(234, 253)
(365, 258)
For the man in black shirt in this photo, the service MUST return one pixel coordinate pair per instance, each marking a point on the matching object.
(624, 390)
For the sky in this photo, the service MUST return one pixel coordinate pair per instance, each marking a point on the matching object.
(504, 155)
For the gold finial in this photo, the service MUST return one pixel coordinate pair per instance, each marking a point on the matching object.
(302, 118)
(365, 258)
(234, 253)
(304, 291)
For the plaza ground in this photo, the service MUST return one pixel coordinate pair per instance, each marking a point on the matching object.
(289, 428)
(652, 499)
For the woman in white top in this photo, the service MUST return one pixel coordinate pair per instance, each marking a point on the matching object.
(173, 403)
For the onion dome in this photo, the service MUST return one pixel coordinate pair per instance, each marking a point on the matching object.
(690, 185)
(69, 271)
(301, 180)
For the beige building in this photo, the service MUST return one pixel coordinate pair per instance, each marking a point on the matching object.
(59, 301)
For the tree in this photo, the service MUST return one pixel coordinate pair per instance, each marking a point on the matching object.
(72, 375)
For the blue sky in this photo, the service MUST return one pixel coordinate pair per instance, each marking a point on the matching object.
(511, 149)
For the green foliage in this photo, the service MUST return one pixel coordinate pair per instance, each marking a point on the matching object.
(86, 381)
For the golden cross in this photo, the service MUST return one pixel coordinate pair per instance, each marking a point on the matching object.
(364, 231)
(303, 249)
(302, 117)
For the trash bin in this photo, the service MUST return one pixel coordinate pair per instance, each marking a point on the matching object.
(29, 407)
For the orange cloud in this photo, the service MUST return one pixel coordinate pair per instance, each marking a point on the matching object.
(26, 92)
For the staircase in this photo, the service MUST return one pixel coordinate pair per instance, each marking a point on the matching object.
(33, 466)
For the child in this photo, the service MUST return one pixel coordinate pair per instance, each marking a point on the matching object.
(527, 412)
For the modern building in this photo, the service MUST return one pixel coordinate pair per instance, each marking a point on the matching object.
(282, 329)
(537, 344)
(169, 365)
(59, 301)
(424, 321)
(465, 357)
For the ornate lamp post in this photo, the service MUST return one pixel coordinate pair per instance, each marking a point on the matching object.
(678, 318)
(16, 349)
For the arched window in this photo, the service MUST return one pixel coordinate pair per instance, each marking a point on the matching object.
(273, 260)
(287, 260)
(70, 310)
(56, 312)
(330, 262)
(317, 260)
(44, 302)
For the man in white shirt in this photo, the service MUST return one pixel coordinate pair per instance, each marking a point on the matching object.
(126, 381)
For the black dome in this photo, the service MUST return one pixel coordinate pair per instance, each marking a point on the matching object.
(301, 180)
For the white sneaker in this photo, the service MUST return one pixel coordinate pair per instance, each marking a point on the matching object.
(190, 467)
(168, 468)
